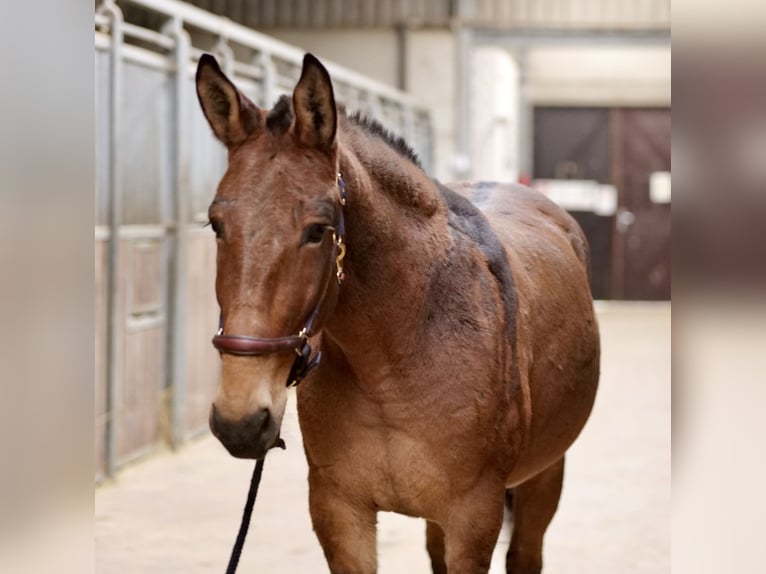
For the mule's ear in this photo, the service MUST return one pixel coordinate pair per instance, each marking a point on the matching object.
(228, 111)
(316, 118)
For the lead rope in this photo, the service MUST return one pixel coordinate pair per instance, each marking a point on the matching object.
(236, 551)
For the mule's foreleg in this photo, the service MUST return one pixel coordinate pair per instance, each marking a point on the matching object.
(346, 531)
(534, 504)
(472, 530)
(435, 547)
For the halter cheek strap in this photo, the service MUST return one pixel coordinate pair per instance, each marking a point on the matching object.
(242, 345)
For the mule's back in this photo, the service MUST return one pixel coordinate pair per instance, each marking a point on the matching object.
(556, 332)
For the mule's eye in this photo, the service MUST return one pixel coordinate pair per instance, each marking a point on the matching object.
(217, 228)
(314, 233)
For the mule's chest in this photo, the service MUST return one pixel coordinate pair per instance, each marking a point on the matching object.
(395, 472)
(394, 462)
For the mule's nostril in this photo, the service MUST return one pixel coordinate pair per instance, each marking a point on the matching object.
(254, 424)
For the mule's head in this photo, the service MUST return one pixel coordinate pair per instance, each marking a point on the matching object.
(273, 216)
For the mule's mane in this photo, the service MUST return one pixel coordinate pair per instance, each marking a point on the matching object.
(281, 116)
(375, 128)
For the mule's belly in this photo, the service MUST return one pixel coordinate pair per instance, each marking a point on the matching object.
(559, 375)
(557, 335)
(555, 423)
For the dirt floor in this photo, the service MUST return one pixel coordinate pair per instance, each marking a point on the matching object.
(179, 512)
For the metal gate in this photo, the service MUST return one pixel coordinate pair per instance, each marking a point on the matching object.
(157, 166)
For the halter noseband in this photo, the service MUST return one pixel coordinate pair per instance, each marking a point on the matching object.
(245, 346)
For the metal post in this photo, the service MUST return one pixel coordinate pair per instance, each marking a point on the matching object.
(114, 210)
(462, 164)
(430, 145)
(176, 304)
(374, 106)
(525, 130)
(266, 63)
(402, 49)
(226, 54)
(408, 125)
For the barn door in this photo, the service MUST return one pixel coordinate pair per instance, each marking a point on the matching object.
(630, 149)
(573, 144)
(641, 171)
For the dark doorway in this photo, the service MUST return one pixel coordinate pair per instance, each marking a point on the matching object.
(573, 143)
(630, 250)
(641, 144)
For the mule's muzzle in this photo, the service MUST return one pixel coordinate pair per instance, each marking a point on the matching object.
(249, 437)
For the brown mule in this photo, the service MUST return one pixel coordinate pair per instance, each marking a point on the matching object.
(460, 353)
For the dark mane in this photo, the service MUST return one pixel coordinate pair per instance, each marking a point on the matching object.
(375, 128)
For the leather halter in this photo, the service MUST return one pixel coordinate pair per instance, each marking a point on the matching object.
(242, 345)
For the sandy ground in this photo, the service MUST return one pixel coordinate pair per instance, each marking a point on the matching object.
(179, 512)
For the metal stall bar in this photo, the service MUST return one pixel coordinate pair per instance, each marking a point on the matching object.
(236, 33)
(114, 15)
(176, 299)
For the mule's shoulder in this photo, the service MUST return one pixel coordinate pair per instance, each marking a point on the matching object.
(466, 219)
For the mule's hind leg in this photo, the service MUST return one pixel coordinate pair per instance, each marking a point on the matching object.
(534, 504)
(435, 546)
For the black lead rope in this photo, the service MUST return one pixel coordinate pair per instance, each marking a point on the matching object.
(236, 552)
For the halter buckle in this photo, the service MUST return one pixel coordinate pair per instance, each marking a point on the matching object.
(303, 334)
(338, 240)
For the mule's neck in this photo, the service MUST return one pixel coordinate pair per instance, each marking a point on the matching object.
(396, 226)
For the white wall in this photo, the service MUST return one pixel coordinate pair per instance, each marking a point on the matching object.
(432, 78)
(613, 76)
(494, 115)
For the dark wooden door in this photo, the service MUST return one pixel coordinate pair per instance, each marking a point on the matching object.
(573, 143)
(630, 251)
(641, 146)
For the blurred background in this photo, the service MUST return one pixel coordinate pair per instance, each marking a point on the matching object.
(414, 65)
(571, 97)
